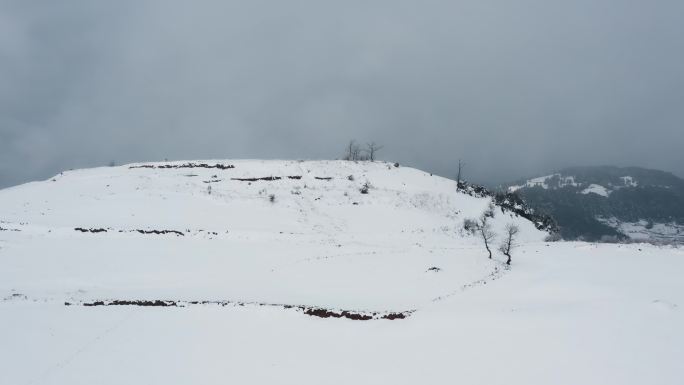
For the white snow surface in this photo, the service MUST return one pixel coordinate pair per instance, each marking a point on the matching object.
(564, 313)
(629, 181)
(542, 181)
(534, 182)
(596, 189)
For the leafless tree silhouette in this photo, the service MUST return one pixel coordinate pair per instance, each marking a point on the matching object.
(509, 243)
(372, 149)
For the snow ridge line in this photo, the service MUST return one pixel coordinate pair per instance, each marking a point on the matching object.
(313, 311)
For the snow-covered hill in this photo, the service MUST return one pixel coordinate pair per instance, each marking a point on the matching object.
(305, 234)
(259, 272)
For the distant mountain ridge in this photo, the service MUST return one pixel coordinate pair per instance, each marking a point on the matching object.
(608, 202)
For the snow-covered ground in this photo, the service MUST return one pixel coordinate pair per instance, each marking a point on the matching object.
(565, 313)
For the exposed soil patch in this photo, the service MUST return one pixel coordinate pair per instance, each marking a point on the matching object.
(187, 165)
(131, 303)
(158, 232)
(81, 229)
(267, 178)
(14, 297)
(308, 310)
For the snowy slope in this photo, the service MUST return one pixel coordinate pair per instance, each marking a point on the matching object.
(320, 242)
(564, 313)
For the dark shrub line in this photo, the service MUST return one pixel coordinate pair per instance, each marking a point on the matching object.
(308, 310)
(160, 232)
(187, 165)
(90, 230)
(511, 202)
(267, 178)
(100, 230)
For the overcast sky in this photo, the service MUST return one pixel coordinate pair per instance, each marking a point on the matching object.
(515, 88)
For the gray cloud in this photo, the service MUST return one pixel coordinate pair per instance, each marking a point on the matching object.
(514, 88)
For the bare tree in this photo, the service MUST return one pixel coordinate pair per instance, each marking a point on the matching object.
(486, 232)
(349, 150)
(371, 149)
(509, 243)
(353, 151)
(461, 165)
(358, 154)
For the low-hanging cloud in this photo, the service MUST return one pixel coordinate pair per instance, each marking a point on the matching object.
(513, 88)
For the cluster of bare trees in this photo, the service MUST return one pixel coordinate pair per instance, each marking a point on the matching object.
(483, 228)
(355, 152)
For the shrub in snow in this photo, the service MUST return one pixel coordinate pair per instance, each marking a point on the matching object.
(489, 213)
(470, 226)
(364, 189)
(553, 237)
(271, 198)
